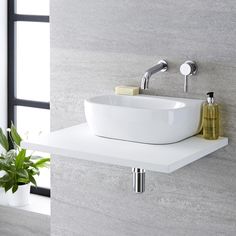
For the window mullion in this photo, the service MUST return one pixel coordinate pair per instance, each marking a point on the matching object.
(11, 63)
(31, 18)
(29, 103)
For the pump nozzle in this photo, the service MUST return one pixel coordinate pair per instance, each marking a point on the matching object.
(210, 94)
(210, 97)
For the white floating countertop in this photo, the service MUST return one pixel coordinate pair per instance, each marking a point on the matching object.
(78, 142)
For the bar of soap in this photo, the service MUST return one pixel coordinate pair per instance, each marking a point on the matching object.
(127, 90)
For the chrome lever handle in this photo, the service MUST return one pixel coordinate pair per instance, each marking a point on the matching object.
(188, 68)
(185, 83)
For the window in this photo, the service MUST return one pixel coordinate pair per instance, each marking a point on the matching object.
(28, 72)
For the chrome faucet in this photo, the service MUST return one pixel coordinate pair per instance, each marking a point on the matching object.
(160, 66)
(187, 69)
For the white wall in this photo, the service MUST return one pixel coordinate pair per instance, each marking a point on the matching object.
(3, 63)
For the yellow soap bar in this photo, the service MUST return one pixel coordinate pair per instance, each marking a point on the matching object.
(126, 90)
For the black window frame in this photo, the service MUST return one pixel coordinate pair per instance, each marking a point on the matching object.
(13, 101)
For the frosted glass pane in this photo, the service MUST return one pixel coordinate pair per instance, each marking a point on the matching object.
(32, 7)
(33, 61)
(43, 180)
(32, 121)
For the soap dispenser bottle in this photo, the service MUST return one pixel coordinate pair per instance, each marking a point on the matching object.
(211, 119)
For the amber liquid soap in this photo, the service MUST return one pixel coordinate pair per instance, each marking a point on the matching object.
(211, 118)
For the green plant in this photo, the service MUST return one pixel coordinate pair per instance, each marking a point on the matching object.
(18, 166)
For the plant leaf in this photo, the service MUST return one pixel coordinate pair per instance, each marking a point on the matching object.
(3, 140)
(4, 165)
(6, 178)
(32, 180)
(8, 185)
(14, 188)
(15, 136)
(42, 162)
(10, 155)
(20, 159)
(34, 171)
(22, 173)
(23, 181)
(27, 158)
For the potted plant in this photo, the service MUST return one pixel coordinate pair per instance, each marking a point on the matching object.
(19, 168)
(3, 199)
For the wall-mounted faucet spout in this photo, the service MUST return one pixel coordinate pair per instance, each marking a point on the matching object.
(161, 66)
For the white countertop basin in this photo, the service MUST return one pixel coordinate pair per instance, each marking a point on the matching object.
(143, 118)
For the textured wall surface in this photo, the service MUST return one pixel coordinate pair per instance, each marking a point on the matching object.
(97, 45)
(14, 222)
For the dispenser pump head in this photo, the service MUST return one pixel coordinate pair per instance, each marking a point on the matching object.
(210, 97)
